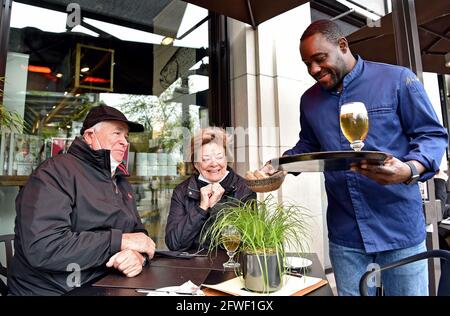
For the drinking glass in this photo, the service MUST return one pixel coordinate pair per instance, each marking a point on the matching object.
(354, 124)
(231, 238)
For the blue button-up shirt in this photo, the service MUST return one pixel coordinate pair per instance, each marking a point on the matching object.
(362, 213)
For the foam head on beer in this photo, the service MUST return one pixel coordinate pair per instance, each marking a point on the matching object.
(354, 123)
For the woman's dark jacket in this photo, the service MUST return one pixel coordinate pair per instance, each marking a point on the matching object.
(70, 214)
(186, 218)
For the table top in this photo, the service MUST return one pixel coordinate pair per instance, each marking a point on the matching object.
(162, 272)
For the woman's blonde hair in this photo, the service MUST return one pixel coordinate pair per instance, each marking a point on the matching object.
(208, 135)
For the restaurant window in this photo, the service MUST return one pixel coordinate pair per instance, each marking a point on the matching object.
(150, 59)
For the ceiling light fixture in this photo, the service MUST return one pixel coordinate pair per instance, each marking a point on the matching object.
(169, 40)
(95, 80)
(166, 41)
(39, 69)
(84, 69)
(368, 13)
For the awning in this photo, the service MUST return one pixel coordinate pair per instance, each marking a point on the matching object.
(433, 21)
(252, 12)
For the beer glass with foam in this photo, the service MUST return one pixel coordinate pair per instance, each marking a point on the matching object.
(354, 124)
(231, 238)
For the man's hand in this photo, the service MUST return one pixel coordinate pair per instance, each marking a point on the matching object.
(129, 262)
(393, 171)
(139, 242)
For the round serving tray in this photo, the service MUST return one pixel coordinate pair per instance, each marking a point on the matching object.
(327, 160)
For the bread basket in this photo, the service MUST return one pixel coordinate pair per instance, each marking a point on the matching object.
(268, 184)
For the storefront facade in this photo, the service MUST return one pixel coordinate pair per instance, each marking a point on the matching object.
(150, 59)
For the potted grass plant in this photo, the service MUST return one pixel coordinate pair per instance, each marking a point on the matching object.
(267, 230)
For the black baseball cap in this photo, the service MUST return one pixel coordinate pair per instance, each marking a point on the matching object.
(106, 113)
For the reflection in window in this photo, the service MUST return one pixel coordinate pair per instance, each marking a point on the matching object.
(55, 74)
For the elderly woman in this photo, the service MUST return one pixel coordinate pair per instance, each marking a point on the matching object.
(205, 192)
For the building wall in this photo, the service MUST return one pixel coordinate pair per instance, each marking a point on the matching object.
(431, 85)
(267, 80)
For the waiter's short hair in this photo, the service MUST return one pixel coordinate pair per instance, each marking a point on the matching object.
(327, 28)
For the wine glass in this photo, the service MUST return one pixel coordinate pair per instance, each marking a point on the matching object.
(354, 123)
(231, 238)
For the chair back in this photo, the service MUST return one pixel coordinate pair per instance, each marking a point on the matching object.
(8, 241)
(363, 284)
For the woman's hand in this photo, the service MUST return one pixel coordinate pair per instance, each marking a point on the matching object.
(217, 193)
(205, 194)
(210, 195)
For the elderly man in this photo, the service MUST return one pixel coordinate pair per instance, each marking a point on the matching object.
(77, 215)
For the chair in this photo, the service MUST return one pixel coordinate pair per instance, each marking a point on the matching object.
(8, 240)
(363, 286)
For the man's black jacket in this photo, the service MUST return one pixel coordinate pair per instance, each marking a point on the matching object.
(71, 214)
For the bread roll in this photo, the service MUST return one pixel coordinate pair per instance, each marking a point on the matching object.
(260, 175)
(249, 176)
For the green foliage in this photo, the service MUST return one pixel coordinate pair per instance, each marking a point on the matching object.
(144, 109)
(9, 118)
(150, 111)
(266, 226)
(78, 115)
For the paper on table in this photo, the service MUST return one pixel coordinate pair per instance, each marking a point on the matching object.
(292, 285)
(187, 288)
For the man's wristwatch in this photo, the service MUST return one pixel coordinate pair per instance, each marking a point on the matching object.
(415, 175)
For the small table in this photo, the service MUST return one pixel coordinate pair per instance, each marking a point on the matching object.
(164, 272)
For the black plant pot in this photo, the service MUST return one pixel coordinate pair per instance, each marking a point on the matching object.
(262, 273)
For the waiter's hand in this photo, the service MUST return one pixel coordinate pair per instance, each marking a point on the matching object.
(393, 171)
(268, 169)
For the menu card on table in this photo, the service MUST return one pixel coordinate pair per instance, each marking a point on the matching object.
(296, 286)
